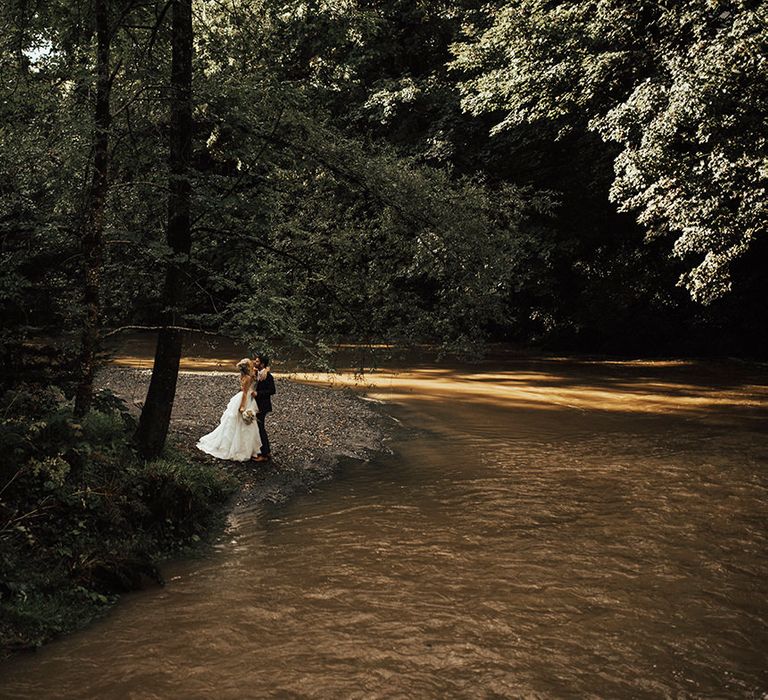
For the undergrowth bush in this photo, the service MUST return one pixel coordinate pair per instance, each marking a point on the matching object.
(82, 517)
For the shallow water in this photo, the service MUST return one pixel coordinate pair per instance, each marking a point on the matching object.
(555, 529)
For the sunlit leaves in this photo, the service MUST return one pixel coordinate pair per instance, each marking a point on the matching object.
(681, 87)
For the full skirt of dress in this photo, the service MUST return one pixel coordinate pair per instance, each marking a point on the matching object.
(233, 439)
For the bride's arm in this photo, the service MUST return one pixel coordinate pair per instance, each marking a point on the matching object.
(245, 383)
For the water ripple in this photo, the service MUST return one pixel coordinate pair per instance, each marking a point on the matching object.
(514, 555)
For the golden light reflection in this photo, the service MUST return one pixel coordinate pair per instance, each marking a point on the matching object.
(546, 391)
(203, 364)
(550, 384)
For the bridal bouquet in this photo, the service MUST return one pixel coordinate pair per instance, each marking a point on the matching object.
(248, 416)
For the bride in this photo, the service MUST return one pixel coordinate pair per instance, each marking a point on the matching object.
(237, 435)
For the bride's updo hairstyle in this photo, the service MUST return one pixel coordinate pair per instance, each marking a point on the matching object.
(245, 366)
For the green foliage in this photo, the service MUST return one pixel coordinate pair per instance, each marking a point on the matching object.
(81, 517)
(389, 153)
(306, 233)
(695, 158)
(403, 171)
(681, 87)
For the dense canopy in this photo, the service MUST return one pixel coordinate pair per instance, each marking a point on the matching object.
(587, 175)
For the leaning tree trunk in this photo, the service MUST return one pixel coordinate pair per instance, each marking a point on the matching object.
(92, 242)
(156, 414)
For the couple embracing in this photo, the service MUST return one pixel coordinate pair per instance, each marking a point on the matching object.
(241, 434)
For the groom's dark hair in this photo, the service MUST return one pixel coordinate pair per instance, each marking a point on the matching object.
(264, 358)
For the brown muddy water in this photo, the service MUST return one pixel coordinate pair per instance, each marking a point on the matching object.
(550, 528)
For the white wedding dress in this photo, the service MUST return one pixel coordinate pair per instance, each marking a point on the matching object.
(233, 439)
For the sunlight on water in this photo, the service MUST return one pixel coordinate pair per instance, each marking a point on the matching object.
(547, 390)
(552, 383)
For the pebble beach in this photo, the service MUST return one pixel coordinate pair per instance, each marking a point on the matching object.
(311, 428)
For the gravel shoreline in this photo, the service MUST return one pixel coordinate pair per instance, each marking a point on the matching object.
(310, 429)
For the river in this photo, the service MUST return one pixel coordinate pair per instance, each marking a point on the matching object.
(552, 528)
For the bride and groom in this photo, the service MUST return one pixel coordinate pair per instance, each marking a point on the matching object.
(241, 434)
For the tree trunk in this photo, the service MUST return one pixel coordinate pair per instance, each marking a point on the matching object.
(92, 242)
(156, 414)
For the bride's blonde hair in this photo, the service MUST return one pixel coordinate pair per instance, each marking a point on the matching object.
(245, 366)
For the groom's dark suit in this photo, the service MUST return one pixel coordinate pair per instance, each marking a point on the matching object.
(265, 389)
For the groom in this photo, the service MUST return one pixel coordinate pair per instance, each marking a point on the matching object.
(263, 391)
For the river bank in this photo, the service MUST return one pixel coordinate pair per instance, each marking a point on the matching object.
(549, 528)
(83, 519)
(310, 429)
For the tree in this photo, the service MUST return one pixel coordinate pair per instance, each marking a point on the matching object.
(156, 413)
(93, 233)
(680, 86)
(45, 157)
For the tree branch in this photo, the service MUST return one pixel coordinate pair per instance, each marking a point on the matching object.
(115, 331)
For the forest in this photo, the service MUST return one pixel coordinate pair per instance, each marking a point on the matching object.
(585, 176)
(580, 176)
